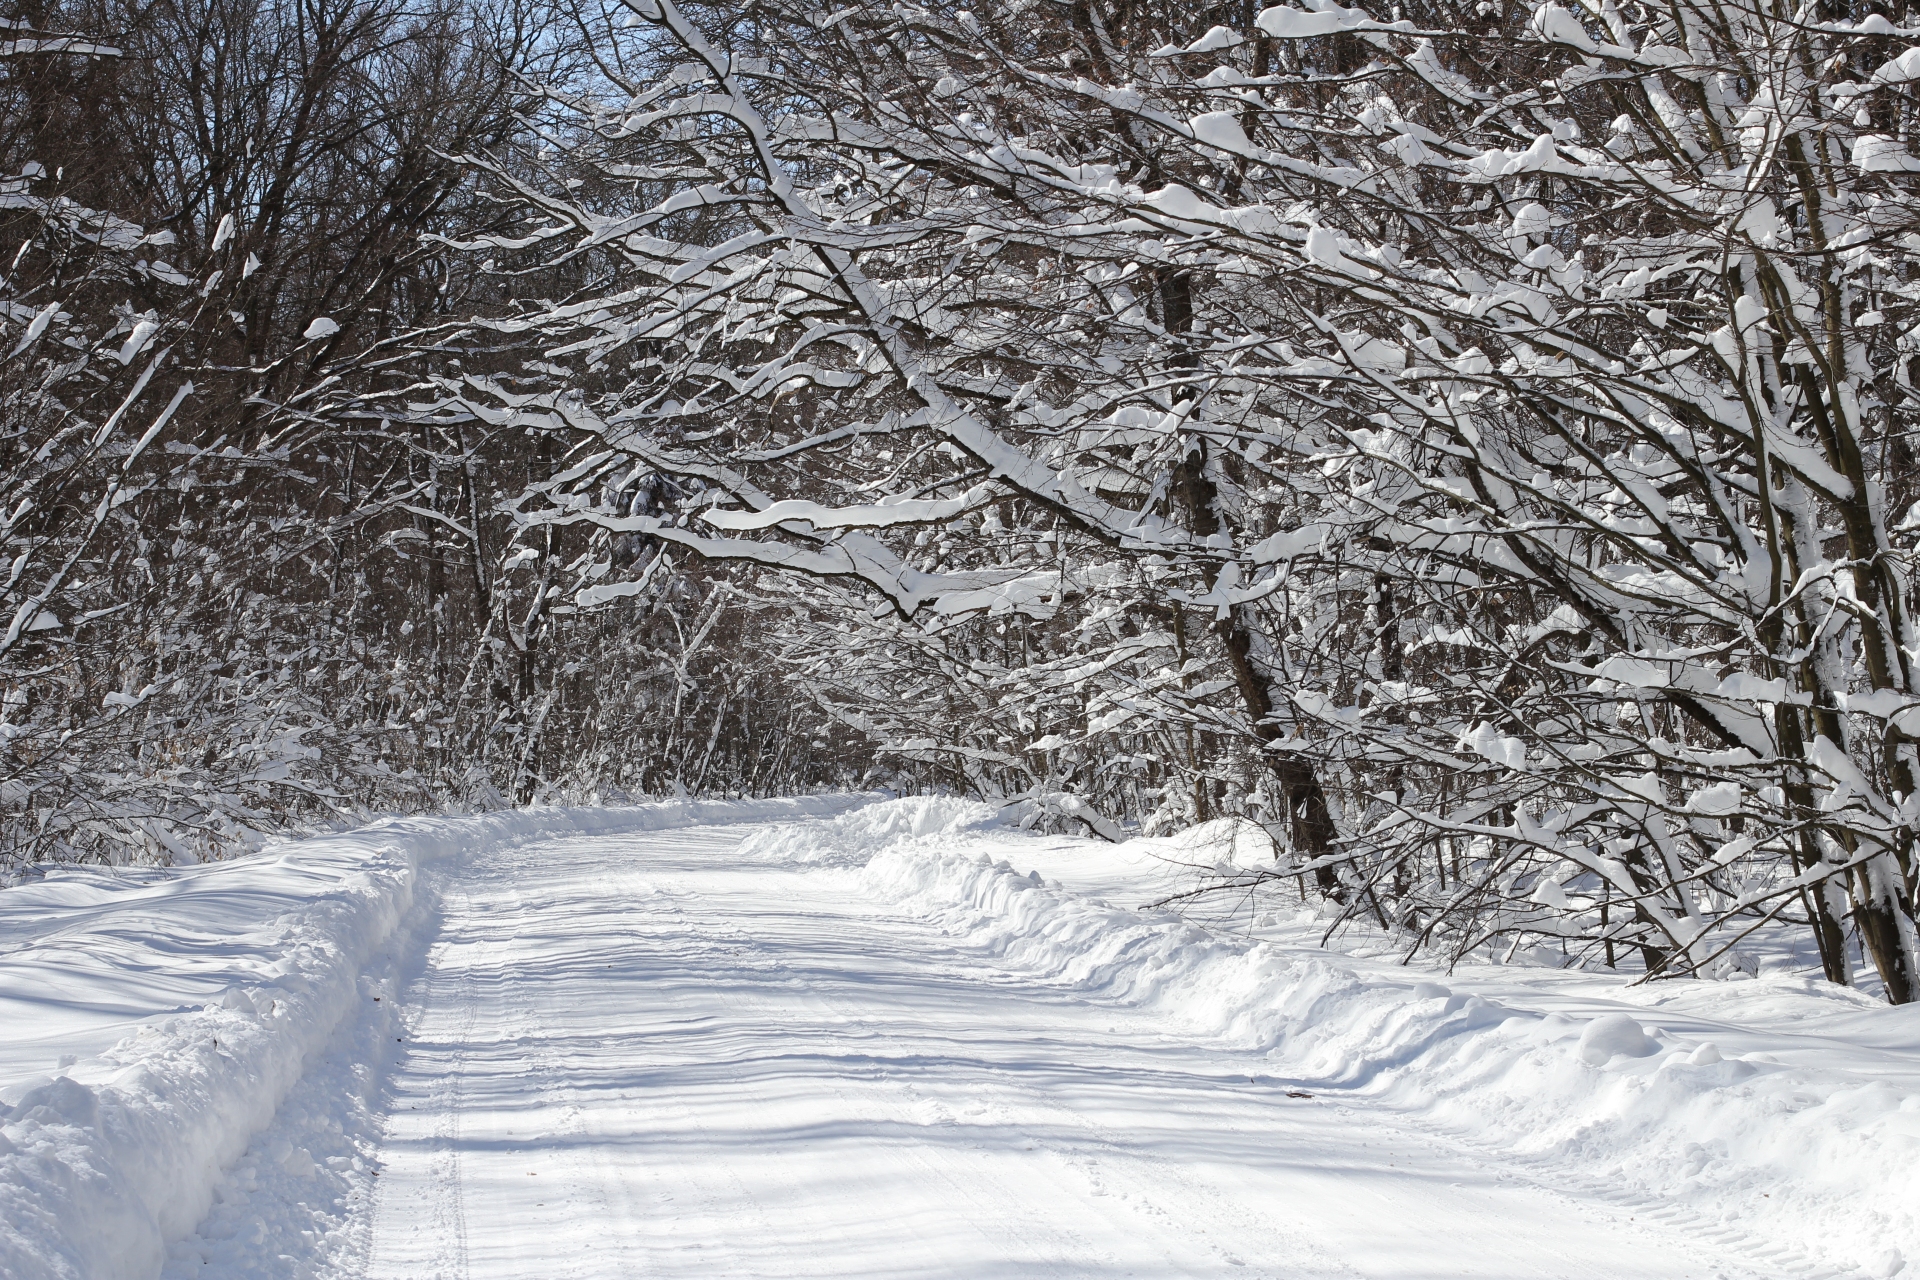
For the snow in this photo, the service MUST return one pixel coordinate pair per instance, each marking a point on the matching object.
(1783, 1111)
(1323, 246)
(1532, 220)
(1558, 25)
(1903, 68)
(1877, 153)
(1608, 1037)
(902, 1039)
(1215, 39)
(157, 1018)
(1285, 23)
(859, 517)
(687, 1055)
(853, 839)
(1221, 129)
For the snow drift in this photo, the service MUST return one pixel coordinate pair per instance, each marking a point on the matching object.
(105, 1161)
(850, 839)
(1818, 1156)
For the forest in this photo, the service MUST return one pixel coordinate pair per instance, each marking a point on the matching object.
(1467, 443)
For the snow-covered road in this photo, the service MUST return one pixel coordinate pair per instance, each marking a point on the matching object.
(648, 1055)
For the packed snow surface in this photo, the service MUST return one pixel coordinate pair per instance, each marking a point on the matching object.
(895, 1041)
(156, 1019)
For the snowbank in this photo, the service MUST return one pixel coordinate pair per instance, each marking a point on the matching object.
(1810, 1149)
(852, 838)
(234, 974)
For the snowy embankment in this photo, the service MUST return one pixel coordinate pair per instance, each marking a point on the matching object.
(1779, 1116)
(157, 1018)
